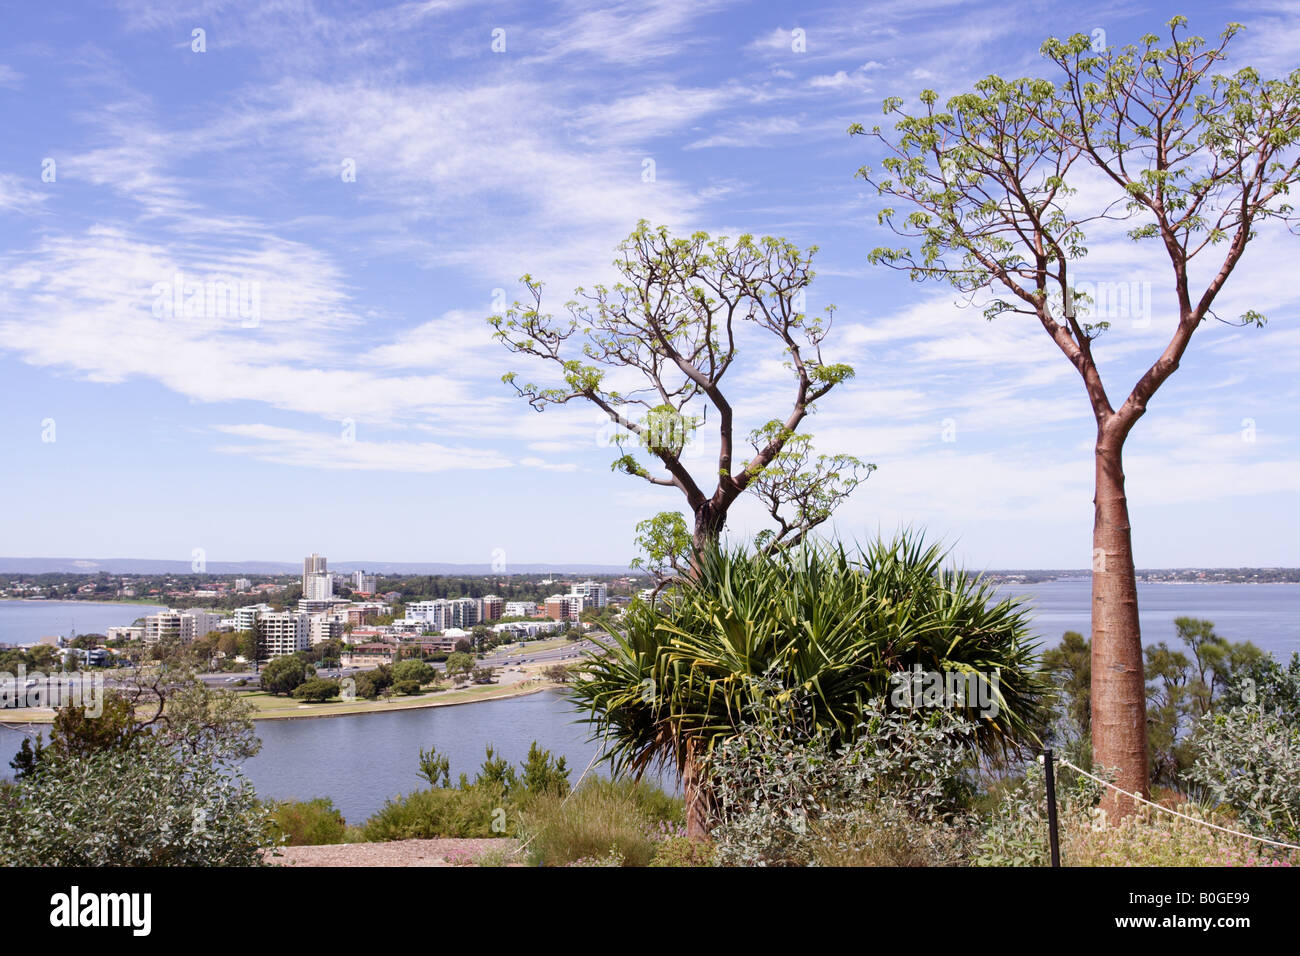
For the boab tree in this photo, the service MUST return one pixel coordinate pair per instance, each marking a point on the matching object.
(671, 329)
(1195, 161)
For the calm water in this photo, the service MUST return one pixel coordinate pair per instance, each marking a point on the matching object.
(1266, 614)
(361, 761)
(22, 622)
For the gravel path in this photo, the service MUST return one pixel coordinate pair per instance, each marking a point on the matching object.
(397, 853)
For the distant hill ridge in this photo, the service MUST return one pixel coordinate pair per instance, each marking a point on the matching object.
(154, 566)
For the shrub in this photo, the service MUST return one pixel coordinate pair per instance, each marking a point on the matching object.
(317, 690)
(602, 820)
(681, 851)
(442, 813)
(370, 684)
(283, 674)
(1016, 834)
(681, 677)
(612, 858)
(1248, 759)
(152, 804)
(1151, 838)
(414, 670)
(488, 806)
(407, 688)
(542, 774)
(788, 795)
(306, 822)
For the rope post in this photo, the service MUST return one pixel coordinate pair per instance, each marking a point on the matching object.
(1050, 774)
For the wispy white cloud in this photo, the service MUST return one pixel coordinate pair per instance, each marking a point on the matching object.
(304, 449)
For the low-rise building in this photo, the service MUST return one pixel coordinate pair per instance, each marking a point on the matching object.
(130, 632)
(369, 655)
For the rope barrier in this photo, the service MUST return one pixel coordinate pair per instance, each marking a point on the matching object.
(1205, 823)
(21, 728)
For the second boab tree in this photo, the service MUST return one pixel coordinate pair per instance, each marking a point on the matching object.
(1190, 159)
(670, 331)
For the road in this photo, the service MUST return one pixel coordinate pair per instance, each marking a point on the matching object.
(510, 658)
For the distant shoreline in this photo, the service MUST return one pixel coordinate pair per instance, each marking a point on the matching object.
(44, 719)
(421, 704)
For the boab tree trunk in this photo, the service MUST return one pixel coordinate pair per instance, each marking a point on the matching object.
(1118, 678)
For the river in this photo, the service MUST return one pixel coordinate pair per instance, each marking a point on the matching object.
(361, 761)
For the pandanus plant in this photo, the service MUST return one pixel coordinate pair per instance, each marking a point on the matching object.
(815, 626)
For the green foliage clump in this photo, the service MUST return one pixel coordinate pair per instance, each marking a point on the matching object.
(317, 689)
(841, 627)
(440, 813)
(487, 806)
(787, 794)
(413, 670)
(683, 851)
(282, 675)
(1015, 832)
(306, 823)
(157, 787)
(370, 684)
(603, 822)
(1248, 759)
(152, 804)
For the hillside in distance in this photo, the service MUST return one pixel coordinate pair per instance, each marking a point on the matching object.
(157, 566)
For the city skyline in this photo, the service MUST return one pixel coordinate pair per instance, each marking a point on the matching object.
(373, 187)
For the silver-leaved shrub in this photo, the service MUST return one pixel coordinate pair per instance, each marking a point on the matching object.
(789, 795)
(1248, 759)
(151, 804)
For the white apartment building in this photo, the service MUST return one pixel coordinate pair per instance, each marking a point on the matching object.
(443, 613)
(125, 633)
(593, 593)
(246, 617)
(317, 582)
(283, 633)
(178, 626)
(364, 583)
(526, 630)
(317, 587)
(520, 609)
(325, 627)
(436, 614)
(243, 584)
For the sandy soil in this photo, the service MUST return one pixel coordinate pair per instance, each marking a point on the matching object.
(397, 853)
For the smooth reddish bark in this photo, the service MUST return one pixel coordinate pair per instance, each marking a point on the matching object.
(1118, 677)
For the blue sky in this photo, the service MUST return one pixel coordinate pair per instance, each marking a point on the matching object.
(362, 414)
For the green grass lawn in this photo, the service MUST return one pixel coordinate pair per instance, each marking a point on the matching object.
(269, 706)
